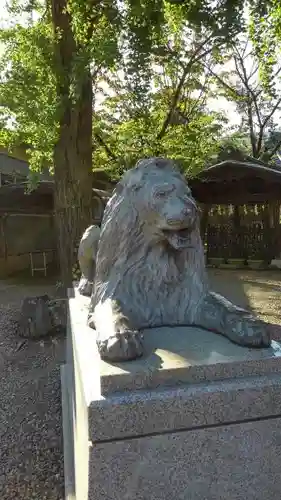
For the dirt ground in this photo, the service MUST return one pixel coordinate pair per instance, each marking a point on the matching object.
(31, 456)
(259, 291)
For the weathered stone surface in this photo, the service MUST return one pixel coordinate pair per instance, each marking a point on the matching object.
(86, 256)
(233, 462)
(35, 317)
(58, 311)
(150, 268)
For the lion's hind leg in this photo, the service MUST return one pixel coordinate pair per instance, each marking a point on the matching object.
(218, 314)
(117, 340)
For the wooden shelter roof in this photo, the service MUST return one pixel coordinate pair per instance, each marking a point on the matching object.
(236, 182)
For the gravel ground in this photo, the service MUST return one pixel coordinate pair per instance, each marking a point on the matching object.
(259, 291)
(31, 456)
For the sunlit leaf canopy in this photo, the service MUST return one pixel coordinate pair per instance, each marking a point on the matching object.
(138, 52)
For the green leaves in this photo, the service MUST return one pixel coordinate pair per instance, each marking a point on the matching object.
(191, 142)
(148, 44)
(265, 31)
(28, 91)
(96, 26)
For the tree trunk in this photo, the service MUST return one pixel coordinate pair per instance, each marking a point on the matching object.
(73, 180)
(73, 150)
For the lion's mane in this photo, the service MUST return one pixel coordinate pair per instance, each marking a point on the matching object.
(155, 285)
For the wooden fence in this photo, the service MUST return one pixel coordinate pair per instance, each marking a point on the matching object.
(252, 232)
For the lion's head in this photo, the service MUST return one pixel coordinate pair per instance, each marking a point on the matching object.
(164, 201)
(157, 194)
(151, 208)
(150, 240)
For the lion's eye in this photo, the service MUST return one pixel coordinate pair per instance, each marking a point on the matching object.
(161, 194)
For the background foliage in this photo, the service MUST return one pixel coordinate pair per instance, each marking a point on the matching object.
(152, 66)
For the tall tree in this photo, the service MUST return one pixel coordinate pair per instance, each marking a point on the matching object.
(48, 68)
(73, 147)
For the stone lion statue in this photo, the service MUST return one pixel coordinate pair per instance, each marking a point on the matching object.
(150, 268)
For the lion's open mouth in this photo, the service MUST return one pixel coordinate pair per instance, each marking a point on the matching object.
(178, 238)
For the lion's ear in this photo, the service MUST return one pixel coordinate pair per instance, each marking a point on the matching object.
(133, 180)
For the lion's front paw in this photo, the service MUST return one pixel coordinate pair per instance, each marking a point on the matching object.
(124, 346)
(247, 330)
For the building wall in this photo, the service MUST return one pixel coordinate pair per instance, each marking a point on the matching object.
(22, 234)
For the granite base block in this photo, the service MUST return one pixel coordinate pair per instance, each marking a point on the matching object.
(196, 418)
(236, 462)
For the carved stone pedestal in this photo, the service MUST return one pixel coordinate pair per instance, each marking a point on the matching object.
(197, 418)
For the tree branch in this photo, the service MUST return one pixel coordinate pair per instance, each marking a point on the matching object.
(273, 151)
(238, 59)
(275, 107)
(105, 146)
(187, 114)
(221, 81)
(251, 99)
(245, 80)
(196, 56)
(251, 127)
